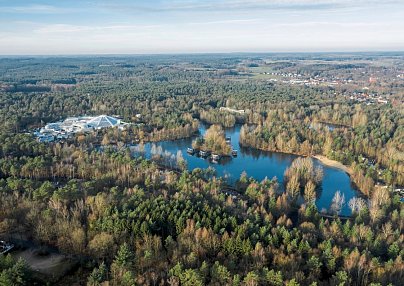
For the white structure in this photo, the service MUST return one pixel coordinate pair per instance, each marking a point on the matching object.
(240, 111)
(71, 125)
(104, 121)
(5, 247)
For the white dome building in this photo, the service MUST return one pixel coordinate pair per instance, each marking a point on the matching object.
(73, 125)
(103, 121)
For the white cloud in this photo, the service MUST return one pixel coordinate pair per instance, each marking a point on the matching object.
(199, 37)
(246, 5)
(34, 9)
(215, 26)
(66, 28)
(230, 21)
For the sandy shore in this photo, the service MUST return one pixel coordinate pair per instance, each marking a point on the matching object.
(333, 163)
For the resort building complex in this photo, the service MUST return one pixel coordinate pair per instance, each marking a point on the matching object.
(71, 125)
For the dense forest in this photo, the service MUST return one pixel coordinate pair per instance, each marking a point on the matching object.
(125, 220)
(370, 139)
(140, 225)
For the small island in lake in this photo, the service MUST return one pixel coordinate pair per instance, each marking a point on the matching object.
(213, 143)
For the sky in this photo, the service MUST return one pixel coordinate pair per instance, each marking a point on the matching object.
(45, 27)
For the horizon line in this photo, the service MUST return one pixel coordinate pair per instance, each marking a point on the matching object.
(201, 53)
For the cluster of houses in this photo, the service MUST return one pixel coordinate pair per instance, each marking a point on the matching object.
(368, 98)
(67, 128)
(300, 79)
(284, 74)
(205, 154)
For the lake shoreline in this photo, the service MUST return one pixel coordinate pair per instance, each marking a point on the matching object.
(323, 159)
(332, 163)
(259, 163)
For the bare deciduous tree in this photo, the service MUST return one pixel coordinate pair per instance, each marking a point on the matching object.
(337, 202)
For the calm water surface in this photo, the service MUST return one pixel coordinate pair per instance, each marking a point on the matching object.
(260, 164)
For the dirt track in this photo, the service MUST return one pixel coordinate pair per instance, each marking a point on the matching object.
(53, 264)
(333, 163)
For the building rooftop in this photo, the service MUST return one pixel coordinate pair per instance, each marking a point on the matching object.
(103, 121)
(71, 125)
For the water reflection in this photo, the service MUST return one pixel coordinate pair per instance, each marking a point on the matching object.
(256, 163)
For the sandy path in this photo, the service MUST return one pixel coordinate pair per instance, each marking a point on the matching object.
(53, 264)
(333, 163)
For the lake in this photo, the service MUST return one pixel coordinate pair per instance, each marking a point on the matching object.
(259, 164)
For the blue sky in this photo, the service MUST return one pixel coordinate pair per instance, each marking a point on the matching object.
(191, 26)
